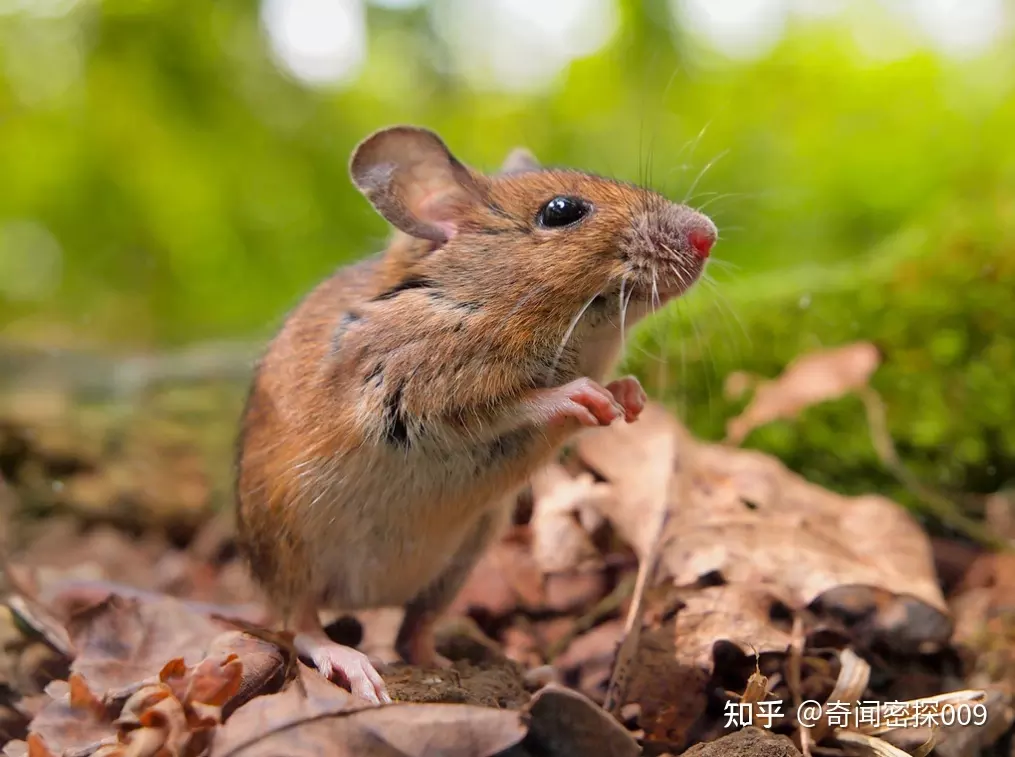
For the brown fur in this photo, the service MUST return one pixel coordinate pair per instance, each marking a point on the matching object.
(391, 420)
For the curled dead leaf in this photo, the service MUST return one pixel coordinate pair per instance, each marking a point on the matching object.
(73, 721)
(40, 620)
(808, 380)
(263, 666)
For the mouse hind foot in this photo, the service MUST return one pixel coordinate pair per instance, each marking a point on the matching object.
(349, 666)
(416, 643)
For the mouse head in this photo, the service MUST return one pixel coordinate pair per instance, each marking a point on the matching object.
(565, 237)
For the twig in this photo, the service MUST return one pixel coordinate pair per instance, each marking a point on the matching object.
(795, 663)
(616, 692)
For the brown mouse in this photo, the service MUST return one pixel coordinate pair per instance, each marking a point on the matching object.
(408, 398)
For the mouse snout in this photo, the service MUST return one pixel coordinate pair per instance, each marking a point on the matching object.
(701, 234)
(668, 247)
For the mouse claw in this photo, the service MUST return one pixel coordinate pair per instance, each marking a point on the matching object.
(582, 400)
(629, 393)
(349, 666)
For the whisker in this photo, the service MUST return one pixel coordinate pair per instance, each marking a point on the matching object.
(724, 306)
(717, 196)
(727, 265)
(568, 333)
(702, 172)
(622, 314)
(693, 144)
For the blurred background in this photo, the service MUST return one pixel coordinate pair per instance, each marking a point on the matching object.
(173, 174)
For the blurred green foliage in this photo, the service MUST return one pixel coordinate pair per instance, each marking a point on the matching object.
(163, 182)
(936, 299)
(195, 192)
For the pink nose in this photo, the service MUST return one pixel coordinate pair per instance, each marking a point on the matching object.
(701, 239)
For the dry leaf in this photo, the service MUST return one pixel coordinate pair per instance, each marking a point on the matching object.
(74, 719)
(122, 642)
(808, 380)
(566, 724)
(262, 666)
(616, 693)
(738, 614)
(638, 459)
(752, 520)
(39, 619)
(559, 542)
(972, 740)
(743, 515)
(154, 721)
(287, 709)
(329, 720)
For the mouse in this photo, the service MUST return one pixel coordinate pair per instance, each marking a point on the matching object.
(406, 400)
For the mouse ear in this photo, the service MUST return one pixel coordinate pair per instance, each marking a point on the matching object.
(518, 160)
(412, 179)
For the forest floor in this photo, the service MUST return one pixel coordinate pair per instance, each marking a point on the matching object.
(656, 594)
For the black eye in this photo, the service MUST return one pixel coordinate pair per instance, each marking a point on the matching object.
(562, 211)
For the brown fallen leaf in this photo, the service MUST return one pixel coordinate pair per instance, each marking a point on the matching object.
(67, 597)
(808, 380)
(329, 720)
(566, 724)
(751, 519)
(288, 709)
(206, 687)
(154, 721)
(263, 666)
(124, 642)
(639, 460)
(747, 537)
(39, 619)
(972, 740)
(616, 693)
(559, 542)
(74, 720)
(744, 515)
(735, 613)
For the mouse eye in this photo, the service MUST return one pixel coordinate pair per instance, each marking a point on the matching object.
(562, 211)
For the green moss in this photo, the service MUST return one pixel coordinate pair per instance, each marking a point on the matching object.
(939, 302)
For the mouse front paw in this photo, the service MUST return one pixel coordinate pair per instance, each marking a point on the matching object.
(582, 400)
(629, 393)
